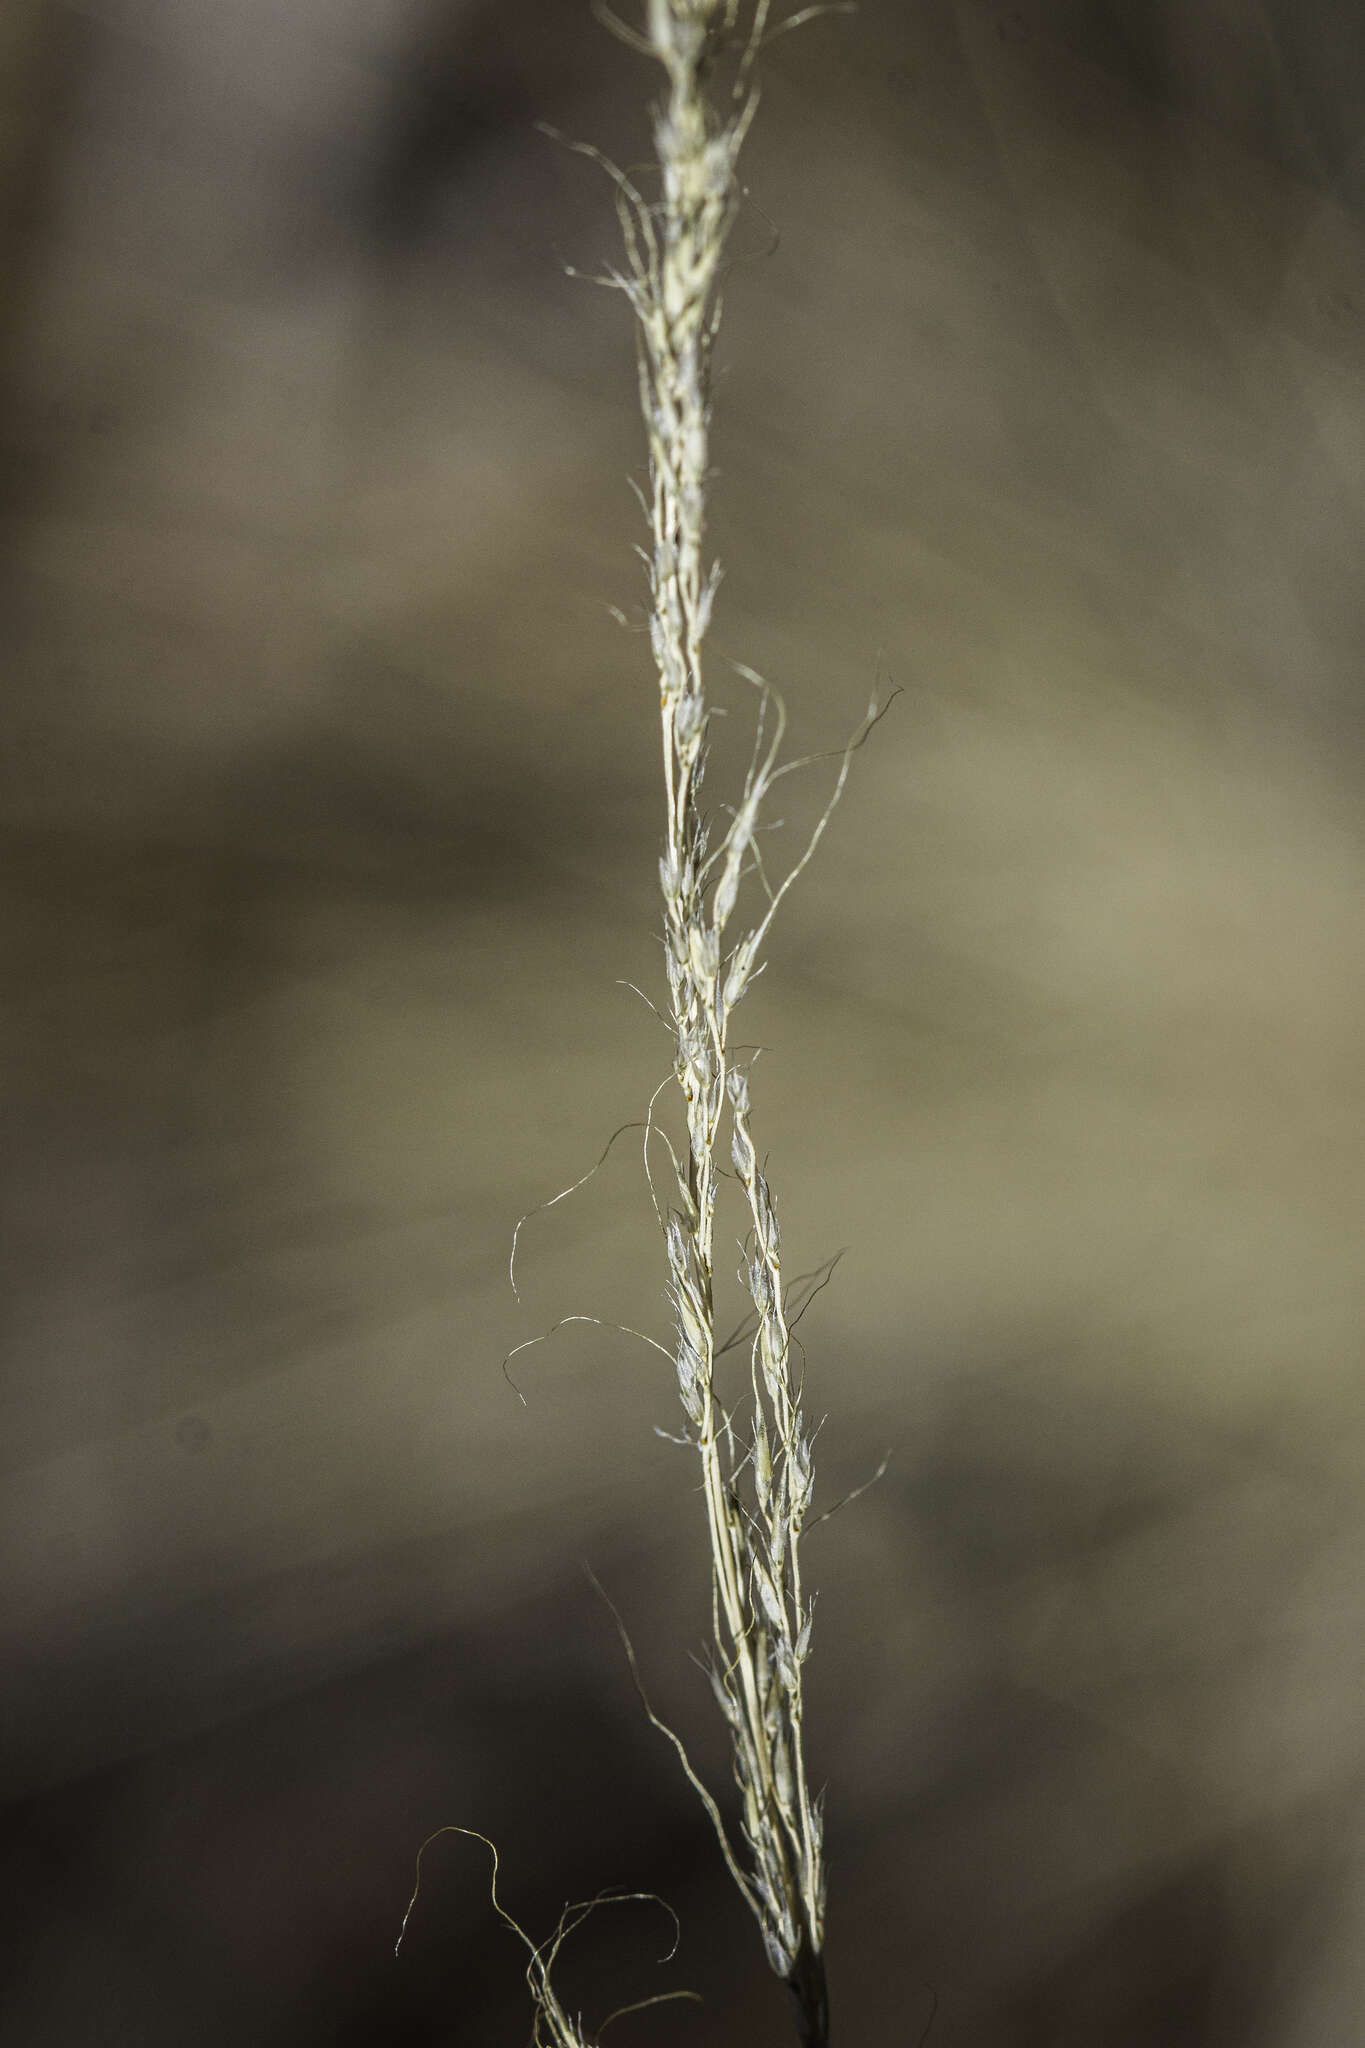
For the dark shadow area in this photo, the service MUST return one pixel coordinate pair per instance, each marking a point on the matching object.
(251, 1883)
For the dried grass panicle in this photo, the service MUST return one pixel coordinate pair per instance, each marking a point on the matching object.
(756, 1455)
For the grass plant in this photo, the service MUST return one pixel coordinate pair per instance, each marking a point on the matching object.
(753, 1444)
(718, 907)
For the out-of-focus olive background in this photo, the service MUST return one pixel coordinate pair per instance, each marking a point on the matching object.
(328, 811)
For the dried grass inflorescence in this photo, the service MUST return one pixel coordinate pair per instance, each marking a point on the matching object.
(754, 1451)
(755, 1454)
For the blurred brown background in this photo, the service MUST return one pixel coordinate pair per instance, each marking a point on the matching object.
(328, 815)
